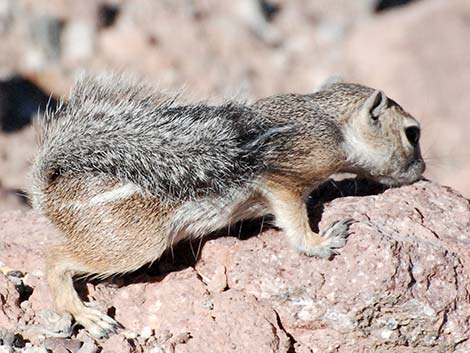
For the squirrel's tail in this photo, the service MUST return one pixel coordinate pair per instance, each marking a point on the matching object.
(90, 132)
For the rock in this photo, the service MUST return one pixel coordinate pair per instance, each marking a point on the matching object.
(88, 346)
(425, 69)
(58, 327)
(6, 15)
(400, 284)
(62, 345)
(34, 350)
(116, 344)
(193, 312)
(17, 251)
(218, 282)
(45, 35)
(12, 200)
(396, 282)
(7, 338)
(10, 311)
(78, 40)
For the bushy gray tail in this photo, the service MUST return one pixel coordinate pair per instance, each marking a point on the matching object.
(116, 127)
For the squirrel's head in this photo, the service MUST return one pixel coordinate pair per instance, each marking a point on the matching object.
(381, 141)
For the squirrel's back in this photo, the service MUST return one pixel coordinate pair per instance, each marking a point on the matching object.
(113, 126)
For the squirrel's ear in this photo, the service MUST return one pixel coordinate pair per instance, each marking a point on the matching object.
(376, 104)
(330, 81)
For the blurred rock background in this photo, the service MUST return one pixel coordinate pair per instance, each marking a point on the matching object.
(418, 52)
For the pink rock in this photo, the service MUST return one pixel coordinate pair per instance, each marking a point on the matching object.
(117, 344)
(62, 345)
(400, 283)
(17, 251)
(181, 305)
(41, 298)
(10, 311)
(396, 282)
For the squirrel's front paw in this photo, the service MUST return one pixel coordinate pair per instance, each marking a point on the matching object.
(324, 245)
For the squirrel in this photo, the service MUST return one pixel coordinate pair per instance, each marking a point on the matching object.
(125, 171)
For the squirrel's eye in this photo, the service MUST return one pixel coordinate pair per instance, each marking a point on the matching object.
(413, 134)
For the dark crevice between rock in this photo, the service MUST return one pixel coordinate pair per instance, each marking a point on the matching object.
(132, 344)
(457, 343)
(383, 5)
(10, 339)
(292, 340)
(22, 196)
(24, 290)
(20, 100)
(409, 269)
(19, 341)
(111, 312)
(443, 322)
(107, 15)
(269, 9)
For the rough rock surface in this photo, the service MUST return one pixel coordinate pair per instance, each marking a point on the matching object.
(401, 284)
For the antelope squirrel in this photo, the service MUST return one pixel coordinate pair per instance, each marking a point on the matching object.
(125, 172)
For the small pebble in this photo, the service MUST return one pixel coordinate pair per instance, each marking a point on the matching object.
(6, 349)
(6, 337)
(218, 283)
(15, 273)
(146, 332)
(157, 349)
(34, 350)
(55, 344)
(130, 334)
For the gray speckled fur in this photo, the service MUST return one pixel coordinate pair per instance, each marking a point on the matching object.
(175, 152)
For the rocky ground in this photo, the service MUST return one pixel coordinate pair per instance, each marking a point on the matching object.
(400, 284)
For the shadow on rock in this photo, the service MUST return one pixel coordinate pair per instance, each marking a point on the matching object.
(332, 189)
(20, 100)
(187, 253)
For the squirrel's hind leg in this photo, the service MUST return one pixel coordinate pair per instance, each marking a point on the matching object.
(110, 228)
(61, 267)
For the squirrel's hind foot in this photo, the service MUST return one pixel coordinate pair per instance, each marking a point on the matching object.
(97, 324)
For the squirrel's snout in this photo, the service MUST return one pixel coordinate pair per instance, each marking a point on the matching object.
(415, 169)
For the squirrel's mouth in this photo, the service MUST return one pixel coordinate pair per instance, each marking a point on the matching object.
(416, 164)
(411, 173)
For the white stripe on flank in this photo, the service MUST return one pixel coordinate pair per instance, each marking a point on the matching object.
(119, 193)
